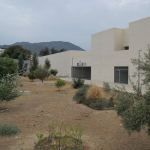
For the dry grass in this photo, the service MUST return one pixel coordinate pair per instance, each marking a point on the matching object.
(31, 113)
(95, 92)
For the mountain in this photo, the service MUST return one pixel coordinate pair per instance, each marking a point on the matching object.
(37, 47)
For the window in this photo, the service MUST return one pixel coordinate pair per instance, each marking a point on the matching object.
(126, 47)
(121, 75)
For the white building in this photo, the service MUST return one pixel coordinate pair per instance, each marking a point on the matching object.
(1, 50)
(110, 57)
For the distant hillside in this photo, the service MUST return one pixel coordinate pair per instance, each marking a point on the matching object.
(37, 47)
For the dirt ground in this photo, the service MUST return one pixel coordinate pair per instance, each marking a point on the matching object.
(31, 113)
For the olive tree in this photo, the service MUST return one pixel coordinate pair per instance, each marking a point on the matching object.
(8, 85)
(41, 73)
(134, 108)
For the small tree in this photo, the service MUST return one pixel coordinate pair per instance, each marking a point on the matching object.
(34, 62)
(42, 73)
(7, 66)
(8, 85)
(47, 63)
(60, 83)
(25, 67)
(54, 72)
(31, 75)
(20, 64)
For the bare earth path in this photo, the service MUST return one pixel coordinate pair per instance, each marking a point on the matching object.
(31, 113)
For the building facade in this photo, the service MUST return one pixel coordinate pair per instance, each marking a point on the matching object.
(110, 57)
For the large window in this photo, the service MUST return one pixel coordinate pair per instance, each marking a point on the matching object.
(121, 75)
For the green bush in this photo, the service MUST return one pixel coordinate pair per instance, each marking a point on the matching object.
(41, 73)
(7, 66)
(60, 83)
(16, 55)
(8, 129)
(8, 85)
(47, 63)
(78, 83)
(54, 72)
(31, 75)
(106, 87)
(81, 93)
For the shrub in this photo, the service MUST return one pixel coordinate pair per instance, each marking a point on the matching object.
(106, 87)
(31, 75)
(20, 64)
(81, 93)
(7, 66)
(47, 63)
(60, 83)
(61, 138)
(94, 92)
(34, 62)
(54, 72)
(8, 85)
(78, 83)
(8, 129)
(100, 104)
(41, 73)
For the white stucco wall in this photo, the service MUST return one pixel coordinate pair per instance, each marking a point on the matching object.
(107, 51)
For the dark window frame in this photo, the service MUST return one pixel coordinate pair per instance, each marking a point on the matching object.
(126, 47)
(119, 68)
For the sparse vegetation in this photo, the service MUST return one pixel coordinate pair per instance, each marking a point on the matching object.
(93, 97)
(62, 139)
(8, 129)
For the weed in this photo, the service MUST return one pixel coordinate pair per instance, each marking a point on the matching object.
(62, 139)
(8, 129)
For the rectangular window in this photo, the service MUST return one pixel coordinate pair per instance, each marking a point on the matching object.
(121, 75)
(126, 47)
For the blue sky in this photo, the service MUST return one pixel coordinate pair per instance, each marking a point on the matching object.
(66, 20)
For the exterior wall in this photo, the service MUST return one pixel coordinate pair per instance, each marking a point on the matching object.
(118, 39)
(139, 38)
(85, 59)
(60, 61)
(102, 54)
(107, 51)
(126, 37)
